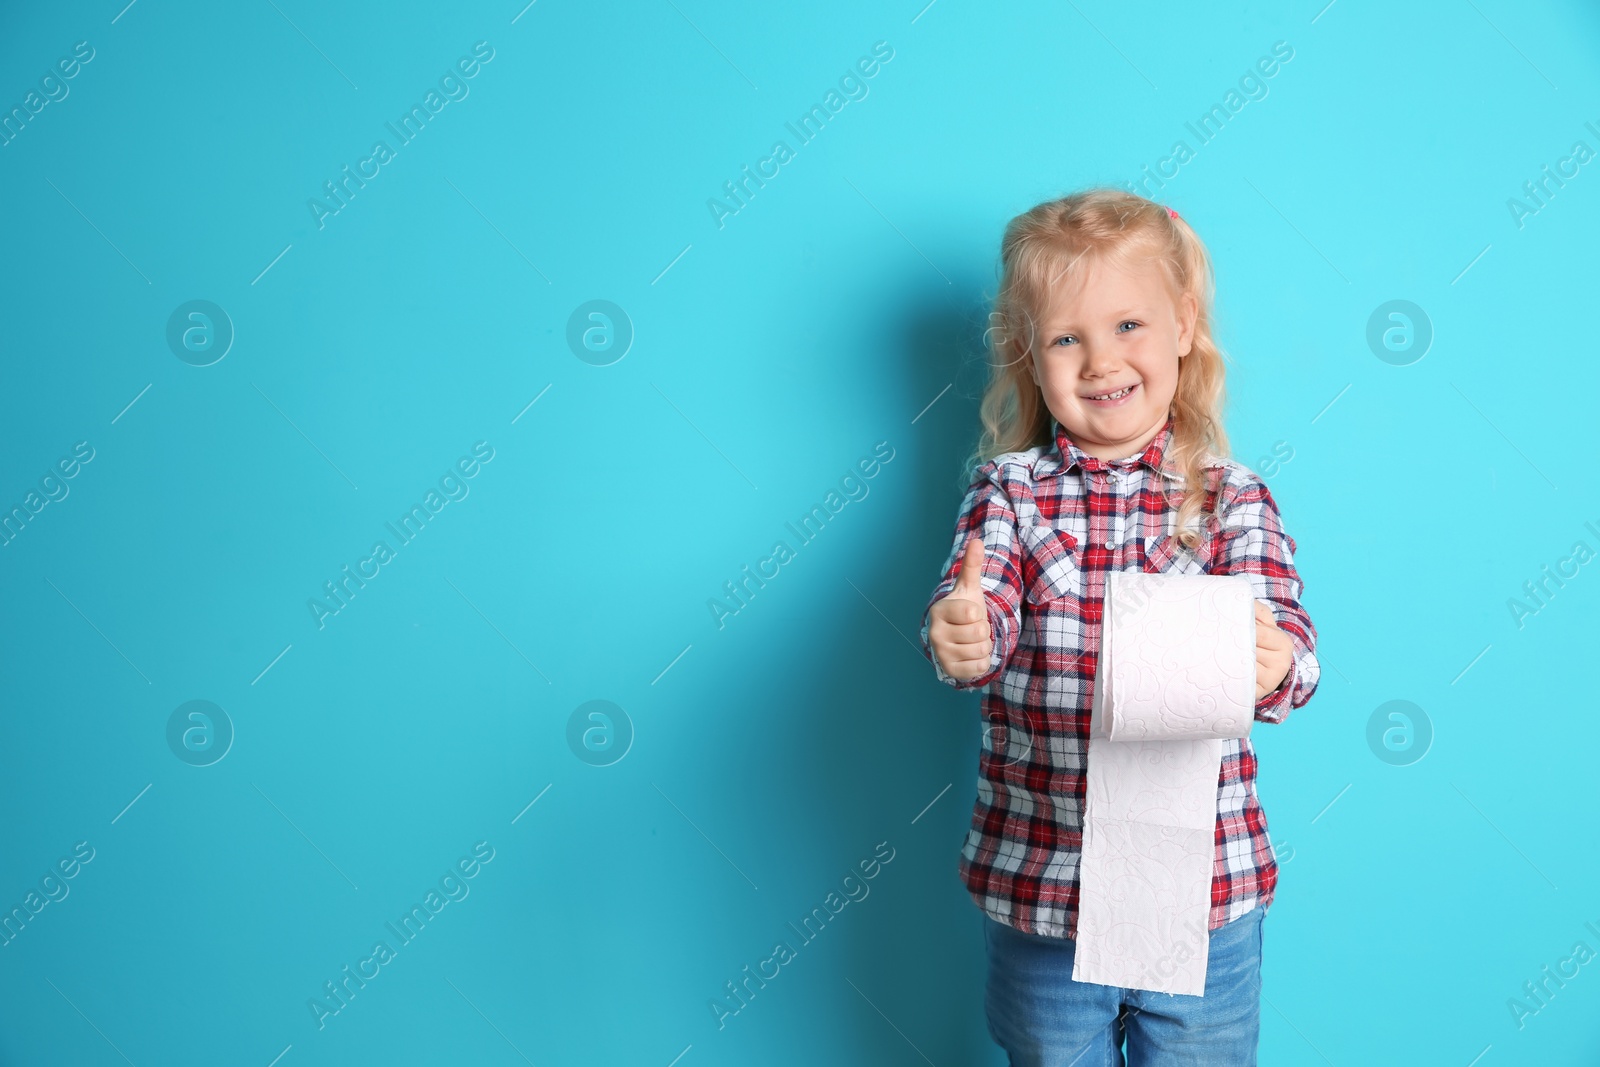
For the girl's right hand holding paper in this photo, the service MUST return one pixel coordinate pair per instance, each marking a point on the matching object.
(958, 627)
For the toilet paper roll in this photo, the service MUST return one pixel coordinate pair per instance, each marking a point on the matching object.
(1176, 675)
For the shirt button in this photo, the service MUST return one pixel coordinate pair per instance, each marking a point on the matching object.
(1111, 546)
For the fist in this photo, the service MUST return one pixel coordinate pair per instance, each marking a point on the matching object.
(1274, 651)
(958, 628)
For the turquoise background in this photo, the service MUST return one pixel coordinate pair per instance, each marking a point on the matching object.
(842, 306)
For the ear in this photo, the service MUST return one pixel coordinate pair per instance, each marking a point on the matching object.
(1188, 312)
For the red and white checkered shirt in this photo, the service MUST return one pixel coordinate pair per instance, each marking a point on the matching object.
(1054, 520)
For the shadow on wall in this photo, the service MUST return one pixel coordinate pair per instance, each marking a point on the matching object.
(874, 740)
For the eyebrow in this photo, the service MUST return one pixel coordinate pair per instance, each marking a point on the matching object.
(1119, 315)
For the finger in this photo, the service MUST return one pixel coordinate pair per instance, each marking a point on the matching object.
(967, 634)
(970, 642)
(1274, 653)
(967, 585)
(967, 668)
(966, 652)
(955, 610)
(1270, 637)
(1277, 672)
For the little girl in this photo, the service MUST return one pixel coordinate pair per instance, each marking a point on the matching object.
(1103, 411)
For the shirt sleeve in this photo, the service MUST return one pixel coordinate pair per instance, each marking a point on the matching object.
(1256, 545)
(986, 512)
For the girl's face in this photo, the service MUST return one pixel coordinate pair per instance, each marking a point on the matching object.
(1120, 330)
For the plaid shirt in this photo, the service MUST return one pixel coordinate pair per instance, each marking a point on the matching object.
(1054, 520)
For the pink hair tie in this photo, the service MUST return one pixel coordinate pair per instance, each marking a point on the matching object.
(1173, 213)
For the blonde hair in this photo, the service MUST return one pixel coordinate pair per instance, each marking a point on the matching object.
(1063, 239)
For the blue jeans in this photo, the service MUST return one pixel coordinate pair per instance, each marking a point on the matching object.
(1042, 1018)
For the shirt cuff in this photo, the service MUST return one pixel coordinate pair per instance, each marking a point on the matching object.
(1273, 706)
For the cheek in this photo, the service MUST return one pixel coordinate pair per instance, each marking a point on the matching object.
(1059, 362)
(1160, 377)
(1156, 362)
(1059, 380)
(1042, 368)
(1165, 372)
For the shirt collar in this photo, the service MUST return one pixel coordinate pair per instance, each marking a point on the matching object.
(1063, 454)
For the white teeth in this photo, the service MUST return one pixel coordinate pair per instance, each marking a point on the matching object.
(1114, 396)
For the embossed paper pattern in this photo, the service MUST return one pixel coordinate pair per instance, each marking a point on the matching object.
(1176, 675)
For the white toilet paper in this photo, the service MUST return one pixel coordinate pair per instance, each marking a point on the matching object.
(1176, 674)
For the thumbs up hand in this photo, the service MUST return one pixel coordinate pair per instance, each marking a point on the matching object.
(958, 628)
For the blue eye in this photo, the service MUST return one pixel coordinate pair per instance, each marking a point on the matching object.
(1068, 337)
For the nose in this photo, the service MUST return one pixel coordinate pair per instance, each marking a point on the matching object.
(1099, 360)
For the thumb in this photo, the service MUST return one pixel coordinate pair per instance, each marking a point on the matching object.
(967, 584)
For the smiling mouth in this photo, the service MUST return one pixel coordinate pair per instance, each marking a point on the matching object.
(1115, 397)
